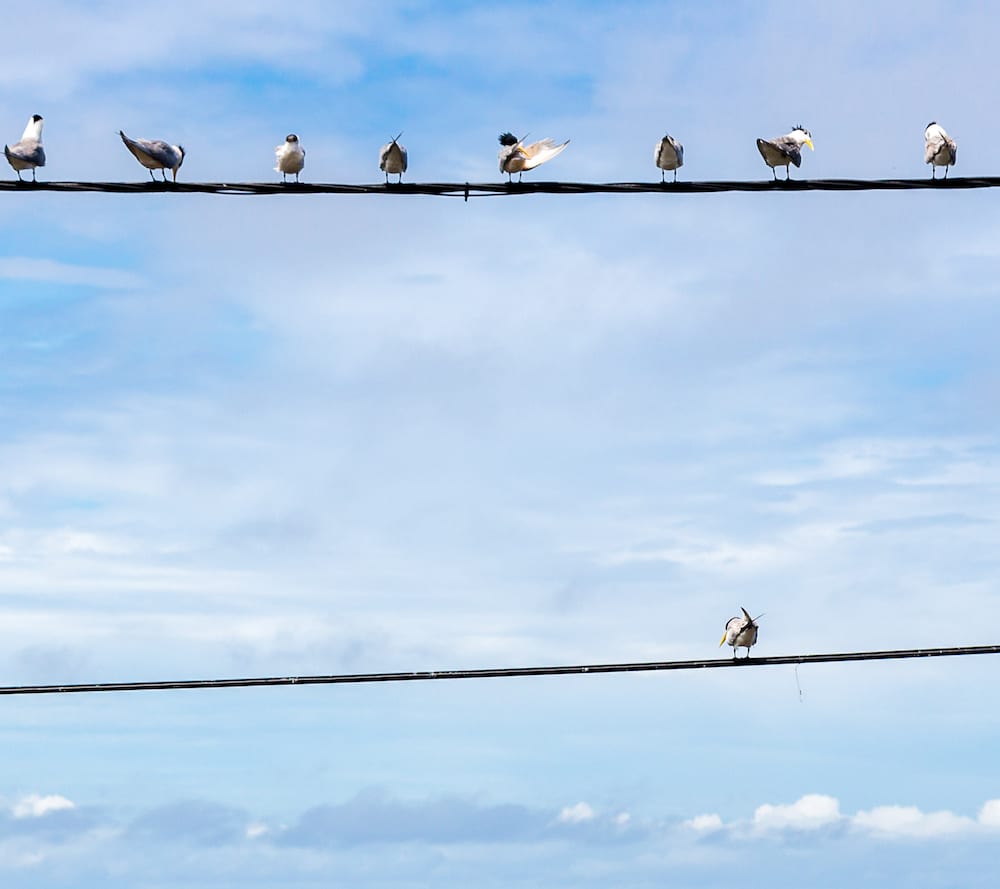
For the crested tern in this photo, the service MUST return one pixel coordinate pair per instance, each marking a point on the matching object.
(155, 154)
(516, 157)
(940, 150)
(668, 155)
(291, 157)
(27, 153)
(392, 158)
(741, 632)
(784, 150)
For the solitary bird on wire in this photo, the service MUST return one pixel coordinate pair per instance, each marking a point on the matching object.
(516, 157)
(668, 155)
(784, 150)
(291, 157)
(27, 153)
(155, 154)
(392, 158)
(940, 150)
(741, 632)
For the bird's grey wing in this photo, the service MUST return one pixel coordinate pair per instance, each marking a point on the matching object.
(155, 150)
(29, 152)
(404, 158)
(678, 150)
(383, 155)
(931, 149)
(789, 148)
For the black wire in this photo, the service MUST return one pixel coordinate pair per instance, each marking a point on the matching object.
(465, 190)
(502, 672)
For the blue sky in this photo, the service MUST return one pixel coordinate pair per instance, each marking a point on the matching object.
(315, 434)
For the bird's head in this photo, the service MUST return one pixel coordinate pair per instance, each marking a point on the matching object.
(180, 148)
(508, 139)
(36, 118)
(803, 136)
(292, 138)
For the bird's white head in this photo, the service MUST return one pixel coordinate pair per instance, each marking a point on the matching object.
(801, 135)
(34, 128)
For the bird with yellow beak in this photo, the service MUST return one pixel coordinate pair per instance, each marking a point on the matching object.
(741, 632)
(785, 150)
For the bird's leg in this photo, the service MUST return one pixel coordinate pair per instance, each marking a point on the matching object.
(151, 176)
(33, 179)
(675, 175)
(945, 172)
(19, 179)
(663, 175)
(386, 178)
(774, 173)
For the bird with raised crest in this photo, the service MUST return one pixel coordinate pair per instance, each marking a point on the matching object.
(516, 157)
(782, 151)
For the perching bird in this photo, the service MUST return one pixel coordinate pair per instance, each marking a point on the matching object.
(516, 157)
(741, 632)
(291, 157)
(27, 153)
(155, 154)
(668, 155)
(940, 150)
(784, 150)
(392, 158)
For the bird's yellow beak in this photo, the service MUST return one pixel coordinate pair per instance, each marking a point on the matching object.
(723, 639)
(810, 144)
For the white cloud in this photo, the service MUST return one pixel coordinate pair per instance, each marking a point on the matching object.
(36, 806)
(812, 811)
(705, 823)
(576, 814)
(256, 830)
(989, 814)
(909, 821)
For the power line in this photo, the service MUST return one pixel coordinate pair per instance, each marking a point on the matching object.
(503, 672)
(494, 189)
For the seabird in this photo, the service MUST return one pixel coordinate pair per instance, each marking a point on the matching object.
(784, 150)
(668, 155)
(741, 632)
(516, 157)
(291, 157)
(940, 150)
(155, 154)
(27, 153)
(392, 159)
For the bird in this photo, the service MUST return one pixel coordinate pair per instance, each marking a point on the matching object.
(291, 157)
(741, 632)
(940, 150)
(155, 154)
(784, 150)
(27, 153)
(516, 157)
(668, 155)
(392, 158)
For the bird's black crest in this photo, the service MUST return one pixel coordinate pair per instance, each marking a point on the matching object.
(291, 137)
(508, 139)
(804, 130)
(931, 124)
(35, 118)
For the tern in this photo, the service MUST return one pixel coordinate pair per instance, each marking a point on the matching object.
(668, 155)
(291, 157)
(27, 153)
(741, 632)
(784, 150)
(392, 158)
(155, 154)
(940, 150)
(516, 157)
